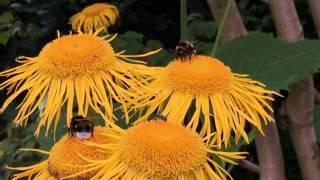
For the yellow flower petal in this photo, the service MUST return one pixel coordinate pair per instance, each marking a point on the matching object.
(218, 100)
(80, 69)
(67, 157)
(94, 17)
(162, 150)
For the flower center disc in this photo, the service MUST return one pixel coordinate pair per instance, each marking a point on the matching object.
(161, 149)
(75, 55)
(94, 9)
(198, 75)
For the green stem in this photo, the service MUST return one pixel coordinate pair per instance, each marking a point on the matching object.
(221, 27)
(183, 20)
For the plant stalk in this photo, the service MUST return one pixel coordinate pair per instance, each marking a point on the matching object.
(221, 26)
(183, 20)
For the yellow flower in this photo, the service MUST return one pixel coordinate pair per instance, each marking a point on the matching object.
(81, 68)
(94, 17)
(64, 160)
(160, 150)
(219, 100)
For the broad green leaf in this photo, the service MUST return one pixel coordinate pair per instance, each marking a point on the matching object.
(131, 42)
(276, 63)
(46, 142)
(154, 44)
(6, 17)
(34, 31)
(202, 28)
(4, 37)
(203, 47)
(162, 58)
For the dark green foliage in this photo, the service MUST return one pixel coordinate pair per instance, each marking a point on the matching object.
(276, 63)
(16, 138)
(200, 28)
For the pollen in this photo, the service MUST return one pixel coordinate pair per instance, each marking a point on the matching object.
(161, 149)
(199, 75)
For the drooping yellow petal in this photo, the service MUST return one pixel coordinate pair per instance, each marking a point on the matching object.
(36, 172)
(94, 17)
(217, 99)
(78, 71)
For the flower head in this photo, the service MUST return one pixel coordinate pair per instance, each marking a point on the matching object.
(219, 100)
(161, 150)
(64, 160)
(94, 17)
(77, 67)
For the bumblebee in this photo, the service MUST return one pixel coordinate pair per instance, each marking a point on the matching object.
(184, 50)
(81, 128)
(158, 117)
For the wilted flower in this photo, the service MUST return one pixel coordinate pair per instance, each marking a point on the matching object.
(94, 17)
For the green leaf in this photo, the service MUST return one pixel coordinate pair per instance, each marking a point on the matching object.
(46, 142)
(276, 63)
(203, 47)
(4, 37)
(202, 28)
(131, 42)
(154, 44)
(34, 31)
(6, 17)
(161, 58)
(133, 36)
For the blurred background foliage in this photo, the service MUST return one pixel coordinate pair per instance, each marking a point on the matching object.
(26, 25)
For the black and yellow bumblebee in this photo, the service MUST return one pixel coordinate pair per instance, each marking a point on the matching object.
(184, 50)
(81, 127)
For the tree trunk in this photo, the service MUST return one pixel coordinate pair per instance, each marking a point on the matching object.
(286, 20)
(315, 11)
(270, 154)
(300, 102)
(299, 108)
(268, 147)
(234, 26)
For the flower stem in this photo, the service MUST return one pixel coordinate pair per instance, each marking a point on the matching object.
(183, 20)
(221, 27)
